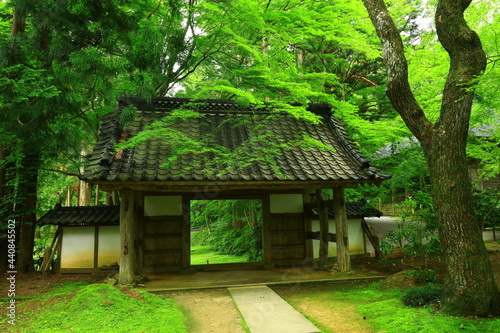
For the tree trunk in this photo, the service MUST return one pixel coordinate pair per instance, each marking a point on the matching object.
(27, 193)
(323, 228)
(469, 284)
(130, 240)
(18, 22)
(6, 207)
(341, 230)
(85, 189)
(68, 196)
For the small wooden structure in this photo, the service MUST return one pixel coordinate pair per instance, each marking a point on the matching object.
(87, 239)
(156, 196)
(358, 235)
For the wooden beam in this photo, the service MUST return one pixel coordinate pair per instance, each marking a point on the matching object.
(186, 232)
(343, 257)
(315, 235)
(130, 242)
(323, 228)
(372, 238)
(267, 248)
(223, 186)
(50, 251)
(306, 199)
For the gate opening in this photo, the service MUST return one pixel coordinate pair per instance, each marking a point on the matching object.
(226, 231)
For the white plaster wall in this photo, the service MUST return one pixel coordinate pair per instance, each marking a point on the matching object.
(77, 248)
(108, 245)
(356, 239)
(162, 205)
(286, 203)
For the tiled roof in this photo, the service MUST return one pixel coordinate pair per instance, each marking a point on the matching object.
(81, 216)
(143, 163)
(354, 209)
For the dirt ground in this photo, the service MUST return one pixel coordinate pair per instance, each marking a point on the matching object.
(209, 310)
(213, 310)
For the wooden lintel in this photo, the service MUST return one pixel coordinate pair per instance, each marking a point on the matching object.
(222, 186)
(375, 241)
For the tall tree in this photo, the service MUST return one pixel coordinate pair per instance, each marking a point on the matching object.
(470, 286)
(58, 73)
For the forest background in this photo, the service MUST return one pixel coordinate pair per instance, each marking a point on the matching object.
(65, 63)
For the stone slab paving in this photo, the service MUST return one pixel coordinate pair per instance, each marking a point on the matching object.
(264, 311)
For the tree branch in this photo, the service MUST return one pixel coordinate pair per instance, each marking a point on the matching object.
(398, 88)
(154, 10)
(467, 62)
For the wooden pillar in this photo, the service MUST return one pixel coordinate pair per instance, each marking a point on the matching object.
(323, 228)
(267, 246)
(130, 236)
(186, 232)
(306, 198)
(343, 257)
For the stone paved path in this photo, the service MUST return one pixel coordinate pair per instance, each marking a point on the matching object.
(264, 311)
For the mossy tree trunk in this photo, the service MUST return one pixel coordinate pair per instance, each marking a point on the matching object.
(470, 285)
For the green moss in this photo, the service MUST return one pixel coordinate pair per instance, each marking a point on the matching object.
(391, 315)
(383, 310)
(103, 308)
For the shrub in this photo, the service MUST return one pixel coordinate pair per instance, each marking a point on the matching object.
(423, 276)
(226, 239)
(487, 205)
(416, 236)
(200, 238)
(424, 295)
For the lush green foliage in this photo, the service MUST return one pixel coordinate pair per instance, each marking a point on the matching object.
(231, 227)
(285, 51)
(423, 275)
(238, 241)
(488, 207)
(99, 308)
(416, 233)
